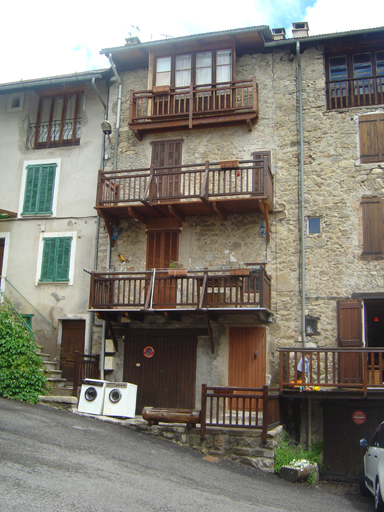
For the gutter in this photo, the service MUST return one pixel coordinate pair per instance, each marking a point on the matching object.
(30, 84)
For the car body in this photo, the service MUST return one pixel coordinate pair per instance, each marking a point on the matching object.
(372, 479)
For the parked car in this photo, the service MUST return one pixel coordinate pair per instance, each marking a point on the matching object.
(372, 478)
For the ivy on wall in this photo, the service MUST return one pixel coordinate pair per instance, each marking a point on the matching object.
(21, 370)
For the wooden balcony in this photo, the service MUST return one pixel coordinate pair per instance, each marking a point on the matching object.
(332, 372)
(192, 291)
(166, 108)
(210, 188)
(355, 92)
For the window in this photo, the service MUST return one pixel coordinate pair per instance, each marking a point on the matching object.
(373, 226)
(15, 102)
(371, 132)
(314, 225)
(39, 189)
(198, 68)
(58, 121)
(56, 258)
(311, 325)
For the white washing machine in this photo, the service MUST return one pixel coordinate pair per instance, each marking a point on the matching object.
(91, 399)
(120, 399)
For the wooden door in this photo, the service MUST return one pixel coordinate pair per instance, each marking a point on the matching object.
(349, 334)
(342, 455)
(72, 339)
(246, 357)
(167, 181)
(168, 378)
(162, 248)
(2, 244)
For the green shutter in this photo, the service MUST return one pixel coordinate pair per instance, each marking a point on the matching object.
(39, 189)
(56, 259)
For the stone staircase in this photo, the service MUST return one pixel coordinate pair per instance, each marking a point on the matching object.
(60, 392)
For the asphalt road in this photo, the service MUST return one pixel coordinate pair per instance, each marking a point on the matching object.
(57, 461)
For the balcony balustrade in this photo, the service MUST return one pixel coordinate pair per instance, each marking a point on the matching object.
(195, 290)
(332, 369)
(355, 92)
(197, 189)
(194, 106)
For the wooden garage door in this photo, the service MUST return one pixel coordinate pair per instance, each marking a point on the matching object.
(168, 378)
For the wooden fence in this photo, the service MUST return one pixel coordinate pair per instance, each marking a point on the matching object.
(85, 367)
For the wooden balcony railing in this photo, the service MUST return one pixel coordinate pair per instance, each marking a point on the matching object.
(332, 368)
(194, 105)
(199, 183)
(194, 290)
(355, 92)
(232, 407)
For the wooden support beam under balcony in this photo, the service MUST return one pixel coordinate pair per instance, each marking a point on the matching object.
(191, 107)
(209, 188)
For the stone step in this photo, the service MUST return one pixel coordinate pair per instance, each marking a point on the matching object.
(44, 357)
(65, 402)
(56, 382)
(50, 365)
(62, 391)
(53, 374)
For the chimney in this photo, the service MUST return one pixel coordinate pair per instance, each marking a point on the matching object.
(278, 34)
(300, 29)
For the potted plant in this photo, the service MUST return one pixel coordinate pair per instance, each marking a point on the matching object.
(176, 269)
(239, 271)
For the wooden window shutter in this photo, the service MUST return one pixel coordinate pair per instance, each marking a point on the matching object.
(371, 132)
(349, 331)
(373, 225)
(56, 259)
(162, 248)
(39, 189)
(167, 153)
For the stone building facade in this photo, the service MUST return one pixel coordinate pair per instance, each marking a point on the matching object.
(340, 264)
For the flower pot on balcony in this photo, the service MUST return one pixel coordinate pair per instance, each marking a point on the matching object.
(177, 272)
(229, 164)
(160, 89)
(239, 271)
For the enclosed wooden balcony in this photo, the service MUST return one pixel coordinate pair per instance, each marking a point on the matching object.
(331, 372)
(355, 92)
(196, 106)
(173, 290)
(210, 188)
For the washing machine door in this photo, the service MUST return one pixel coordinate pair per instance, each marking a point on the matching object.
(115, 396)
(90, 394)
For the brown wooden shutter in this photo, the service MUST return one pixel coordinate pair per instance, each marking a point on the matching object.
(349, 333)
(162, 248)
(167, 153)
(371, 131)
(373, 225)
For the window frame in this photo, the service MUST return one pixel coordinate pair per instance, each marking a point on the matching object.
(71, 268)
(26, 165)
(193, 55)
(53, 95)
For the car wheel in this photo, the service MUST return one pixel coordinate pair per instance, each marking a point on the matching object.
(363, 488)
(379, 505)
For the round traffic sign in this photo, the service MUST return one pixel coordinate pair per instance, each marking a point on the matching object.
(358, 417)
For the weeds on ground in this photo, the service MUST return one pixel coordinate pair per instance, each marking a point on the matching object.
(288, 450)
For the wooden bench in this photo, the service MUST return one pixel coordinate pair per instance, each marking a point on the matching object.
(188, 416)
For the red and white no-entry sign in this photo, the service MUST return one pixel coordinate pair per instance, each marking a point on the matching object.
(358, 417)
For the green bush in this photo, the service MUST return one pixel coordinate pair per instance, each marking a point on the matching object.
(288, 450)
(21, 370)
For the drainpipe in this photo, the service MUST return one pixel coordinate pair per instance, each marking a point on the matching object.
(92, 315)
(108, 262)
(302, 226)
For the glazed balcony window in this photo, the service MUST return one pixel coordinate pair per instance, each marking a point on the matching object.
(58, 122)
(355, 79)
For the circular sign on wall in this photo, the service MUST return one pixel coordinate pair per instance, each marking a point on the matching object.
(358, 417)
(149, 351)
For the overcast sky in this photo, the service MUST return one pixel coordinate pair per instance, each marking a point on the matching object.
(46, 38)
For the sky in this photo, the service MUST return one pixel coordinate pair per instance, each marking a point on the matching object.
(51, 38)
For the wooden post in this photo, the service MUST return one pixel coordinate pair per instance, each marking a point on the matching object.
(203, 411)
(365, 371)
(75, 373)
(281, 369)
(265, 415)
(190, 106)
(130, 107)
(255, 96)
